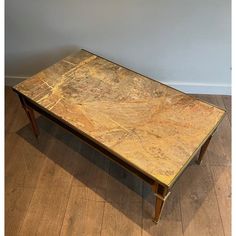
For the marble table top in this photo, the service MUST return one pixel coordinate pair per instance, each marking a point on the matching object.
(151, 126)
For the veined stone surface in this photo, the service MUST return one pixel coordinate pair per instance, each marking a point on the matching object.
(151, 126)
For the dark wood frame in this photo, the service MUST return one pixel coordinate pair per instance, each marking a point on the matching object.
(161, 191)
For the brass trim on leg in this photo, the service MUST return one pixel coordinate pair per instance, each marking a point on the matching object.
(161, 197)
(161, 193)
(158, 210)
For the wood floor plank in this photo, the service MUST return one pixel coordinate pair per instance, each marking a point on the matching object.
(17, 201)
(92, 173)
(83, 216)
(86, 203)
(123, 208)
(228, 105)
(122, 185)
(48, 205)
(222, 180)
(11, 107)
(199, 207)
(54, 171)
(124, 219)
(84, 213)
(46, 211)
(88, 167)
(23, 162)
(171, 221)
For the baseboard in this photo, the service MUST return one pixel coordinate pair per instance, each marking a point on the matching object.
(13, 80)
(198, 88)
(193, 88)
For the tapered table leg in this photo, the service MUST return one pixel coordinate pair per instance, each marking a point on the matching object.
(161, 194)
(30, 113)
(203, 150)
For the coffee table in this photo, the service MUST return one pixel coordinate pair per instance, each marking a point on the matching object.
(147, 127)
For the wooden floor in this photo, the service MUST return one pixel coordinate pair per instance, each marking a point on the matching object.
(57, 185)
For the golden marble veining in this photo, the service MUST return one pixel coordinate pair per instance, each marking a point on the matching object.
(151, 126)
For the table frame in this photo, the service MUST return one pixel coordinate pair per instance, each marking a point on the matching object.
(160, 190)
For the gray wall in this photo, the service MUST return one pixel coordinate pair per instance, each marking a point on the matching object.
(185, 43)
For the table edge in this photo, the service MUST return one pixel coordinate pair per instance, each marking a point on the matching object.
(169, 184)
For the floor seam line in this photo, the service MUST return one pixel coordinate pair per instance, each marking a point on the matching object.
(32, 197)
(217, 201)
(69, 193)
(181, 214)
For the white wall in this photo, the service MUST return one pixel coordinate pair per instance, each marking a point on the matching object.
(185, 43)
